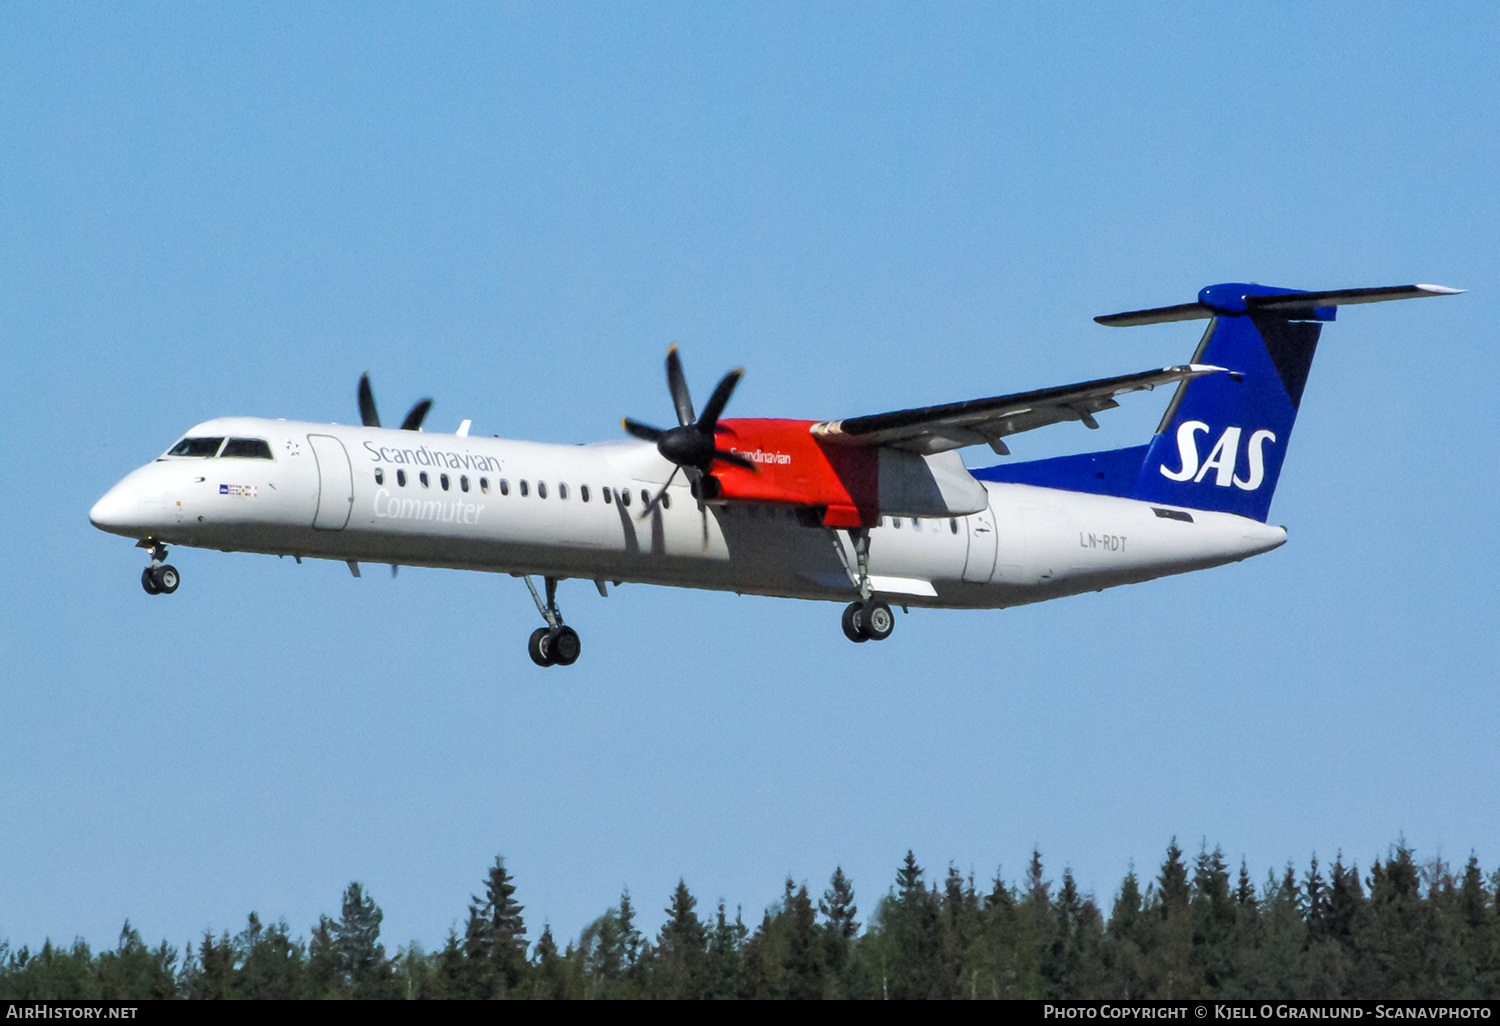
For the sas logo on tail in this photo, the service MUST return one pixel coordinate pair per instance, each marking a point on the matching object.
(1223, 459)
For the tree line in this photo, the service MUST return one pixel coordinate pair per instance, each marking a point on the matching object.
(1194, 930)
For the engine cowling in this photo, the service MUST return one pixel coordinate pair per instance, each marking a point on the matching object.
(848, 486)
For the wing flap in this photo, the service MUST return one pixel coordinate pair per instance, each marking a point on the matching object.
(933, 429)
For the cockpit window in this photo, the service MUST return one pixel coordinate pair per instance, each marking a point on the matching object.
(196, 447)
(247, 449)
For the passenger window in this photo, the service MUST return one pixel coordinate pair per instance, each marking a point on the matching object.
(484, 485)
(443, 480)
(916, 525)
(541, 489)
(666, 501)
(196, 447)
(463, 482)
(953, 524)
(896, 523)
(625, 496)
(504, 487)
(247, 449)
(608, 497)
(882, 521)
(583, 492)
(401, 478)
(525, 489)
(423, 478)
(379, 476)
(562, 491)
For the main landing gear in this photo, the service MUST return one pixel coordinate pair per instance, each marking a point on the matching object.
(869, 619)
(555, 644)
(160, 578)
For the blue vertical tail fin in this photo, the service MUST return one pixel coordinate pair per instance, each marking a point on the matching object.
(1222, 441)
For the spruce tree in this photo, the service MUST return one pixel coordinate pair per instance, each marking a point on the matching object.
(549, 975)
(912, 920)
(504, 929)
(365, 970)
(802, 955)
(682, 948)
(1127, 942)
(630, 937)
(960, 934)
(1213, 913)
(133, 972)
(838, 909)
(724, 947)
(271, 964)
(1178, 977)
(213, 977)
(837, 906)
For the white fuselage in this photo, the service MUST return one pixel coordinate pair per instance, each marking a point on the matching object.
(337, 492)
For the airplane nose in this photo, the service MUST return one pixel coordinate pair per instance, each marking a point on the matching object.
(118, 512)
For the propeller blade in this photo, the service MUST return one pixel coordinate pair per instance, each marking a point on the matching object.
(677, 385)
(734, 459)
(367, 414)
(413, 421)
(650, 506)
(645, 432)
(716, 402)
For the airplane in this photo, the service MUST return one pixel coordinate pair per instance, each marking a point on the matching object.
(870, 510)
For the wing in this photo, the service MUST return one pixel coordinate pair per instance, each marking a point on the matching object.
(934, 429)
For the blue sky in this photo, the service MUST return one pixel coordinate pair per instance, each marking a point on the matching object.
(515, 209)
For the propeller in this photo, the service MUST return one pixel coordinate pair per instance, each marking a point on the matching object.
(371, 418)
(690, 446)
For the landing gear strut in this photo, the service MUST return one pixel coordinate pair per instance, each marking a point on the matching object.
(160, 578)
(555, 644)
(869, 619)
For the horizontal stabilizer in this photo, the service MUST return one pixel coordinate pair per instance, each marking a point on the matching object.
(1238, 299)
(1159, 315)
(1301, 301)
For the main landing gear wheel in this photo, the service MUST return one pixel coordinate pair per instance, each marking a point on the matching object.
(148, 581)
(554, 647)
(854, 622)
(868, 621)
(556, 644)
(540, 647)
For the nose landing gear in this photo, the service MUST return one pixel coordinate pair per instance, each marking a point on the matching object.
(555, 644)
(160, 578)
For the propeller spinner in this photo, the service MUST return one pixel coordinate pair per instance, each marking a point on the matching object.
(690, 445)
(371, 418)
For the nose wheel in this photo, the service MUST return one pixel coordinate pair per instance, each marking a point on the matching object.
(160, 578)
(556, 644)
(871, 620)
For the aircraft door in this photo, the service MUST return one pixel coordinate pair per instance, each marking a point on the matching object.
(980, 564)
(335, 483)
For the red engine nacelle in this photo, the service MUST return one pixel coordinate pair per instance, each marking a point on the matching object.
(797, 468)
